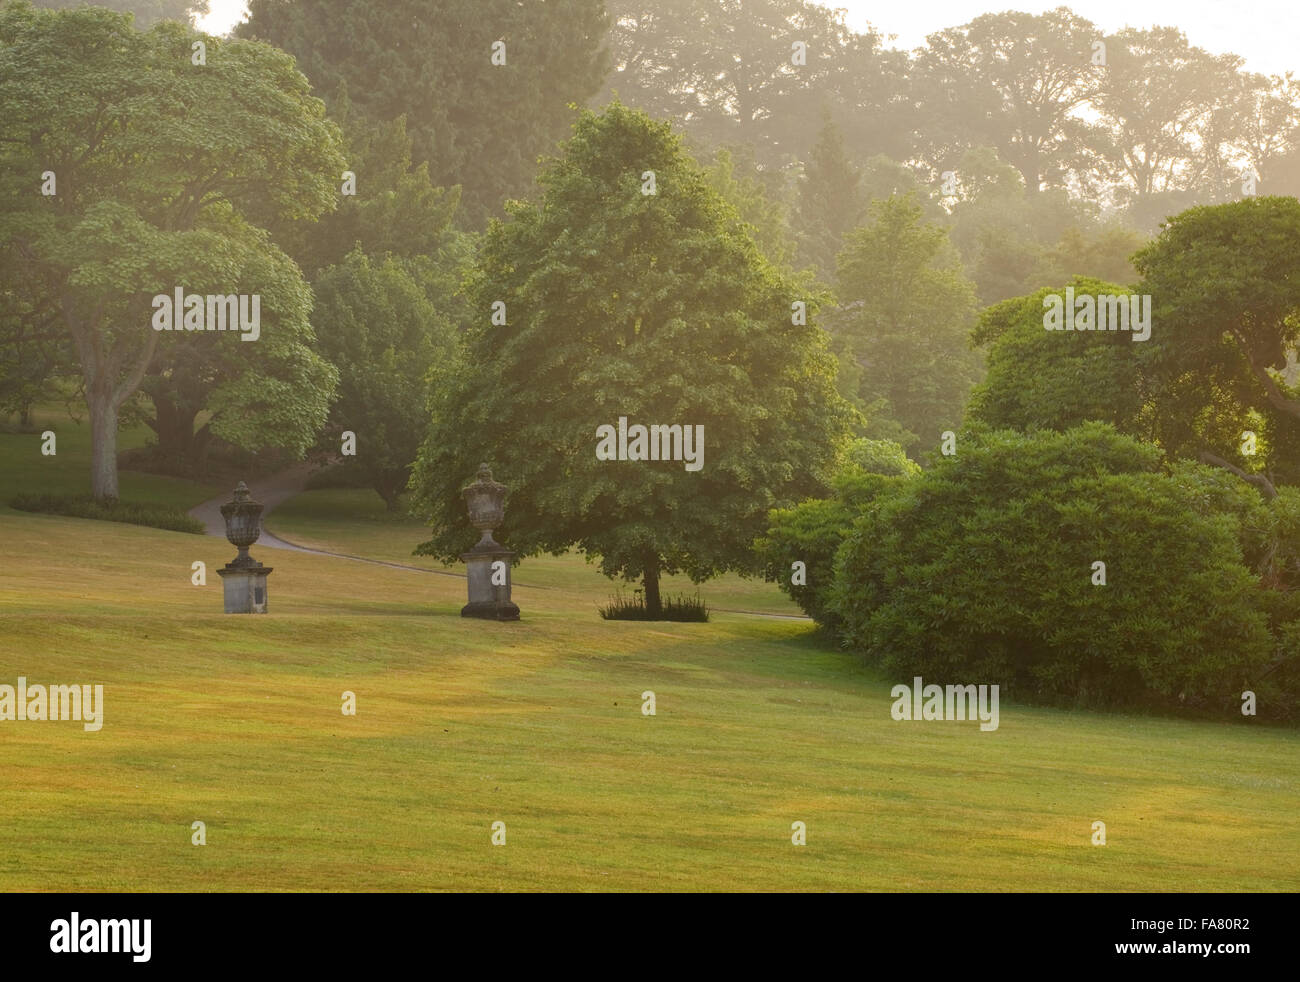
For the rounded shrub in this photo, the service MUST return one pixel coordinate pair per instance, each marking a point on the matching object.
(983, 569)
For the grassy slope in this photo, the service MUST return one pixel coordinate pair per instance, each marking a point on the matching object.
(236, 722)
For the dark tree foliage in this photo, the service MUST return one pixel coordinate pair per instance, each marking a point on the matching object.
(478, 125)
(981, 570)
(1225, 287)
(1040, 379)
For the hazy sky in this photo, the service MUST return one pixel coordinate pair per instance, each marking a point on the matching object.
(1264, 32)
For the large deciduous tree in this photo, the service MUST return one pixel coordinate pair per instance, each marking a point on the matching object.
(657, 307)
(1163, 121)
(1225, 287)
(162, 171)
(1268, 128)
(393, 208)
(1012, 81)
(728, 71)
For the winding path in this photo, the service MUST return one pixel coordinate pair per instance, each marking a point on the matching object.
(279, 488)
(271, 491)
(274, 491)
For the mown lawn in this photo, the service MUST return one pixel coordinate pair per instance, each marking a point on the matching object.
(23, 468)
(236, 722)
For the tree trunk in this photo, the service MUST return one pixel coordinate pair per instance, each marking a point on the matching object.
(1031, 170)
(202, 443)
(653, 605)
(106, 389)
(1259, 481)
(103, 446)
(392, 497)
(174, 426)
(389, 484)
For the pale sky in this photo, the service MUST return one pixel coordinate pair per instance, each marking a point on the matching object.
(1264, 32)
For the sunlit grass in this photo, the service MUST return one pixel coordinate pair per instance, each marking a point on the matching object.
(235, 721)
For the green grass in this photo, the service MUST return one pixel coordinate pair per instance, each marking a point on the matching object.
(236, 722)
(24, 470)
(356, 523)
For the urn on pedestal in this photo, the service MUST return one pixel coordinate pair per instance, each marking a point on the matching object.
(243, 578)
(488, 563)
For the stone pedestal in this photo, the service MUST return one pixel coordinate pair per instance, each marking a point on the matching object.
(487, 600)
(245, 588)
(485, 499)
(243, 578)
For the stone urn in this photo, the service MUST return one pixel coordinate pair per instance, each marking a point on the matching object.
(488, 562)
(486, 500)
(243, 579)
(243, 518)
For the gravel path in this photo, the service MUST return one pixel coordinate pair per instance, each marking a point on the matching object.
(276, 490)
(271, 491)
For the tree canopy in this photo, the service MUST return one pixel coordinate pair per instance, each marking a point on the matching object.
(1040, 379)
(649, 303)
(1226, 310)
(477, 124)
(382, 322)
(163, 170)
(146, 12)
(984, 568)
